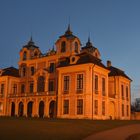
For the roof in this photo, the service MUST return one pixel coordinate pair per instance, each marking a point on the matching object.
(10, 71)
(83, 59)
(30, 45)
(68, 34)
(117, 72)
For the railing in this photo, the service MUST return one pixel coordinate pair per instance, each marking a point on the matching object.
(112, 95)
(79, 91)
(1, 95)
(50, 93)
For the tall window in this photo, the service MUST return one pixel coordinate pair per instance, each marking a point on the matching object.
(103, 107)
(66, 107)
(31, 87)
(122, 109)
(63, 46)
(96, 107)
(103, 86)
(66, 83)
(52, 67)
(24, 55)
(51, 85)
(96, 84)
(1, 106)
(127, 92)
(41, 84)
(24, 71)
(122, 91)
(14, 88)
(127, 110)
(2, 89)
(79, 81)
(76, 47)
(32, 71)
(22, 88)
(80, 106)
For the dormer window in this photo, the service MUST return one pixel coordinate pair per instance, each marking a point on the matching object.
(35, 54)
(63, 46)
(76, 47)
(25, 55)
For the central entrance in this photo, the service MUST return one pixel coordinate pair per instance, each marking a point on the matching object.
(20, 109)
(52, 109)
(41, 109)
(13, 109)
(29, 109)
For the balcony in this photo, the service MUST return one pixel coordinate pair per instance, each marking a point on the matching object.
(79, 91)
(112, 95)
(1, 95)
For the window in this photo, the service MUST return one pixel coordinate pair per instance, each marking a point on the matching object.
(51, 85)
(2, 89)
(76, 47)
(122, 109)
(14, 88)
(1, 106)
(103, 107)
(22, 88)
(80, 106)
(52, 67)
(41, 84)
(66, 107)
(24, 71)
(96, 107)
(25, 55)
(103, 86)
(66, 83)
(96, 84)
(127, 92)
(63, 46)
(122, 91)
(127, 110)
(79, 82)
(32, 71)
(31, 87)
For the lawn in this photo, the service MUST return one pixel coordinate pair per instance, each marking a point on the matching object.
(53, 129)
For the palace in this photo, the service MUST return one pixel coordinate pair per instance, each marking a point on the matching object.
(69, 81)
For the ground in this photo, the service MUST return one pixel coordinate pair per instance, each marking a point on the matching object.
(53, 129)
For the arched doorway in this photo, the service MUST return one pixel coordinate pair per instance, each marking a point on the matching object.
(29, 109)
(41, 109)
(13, 109)
(52, 109)
(112, 110)
(20, 109)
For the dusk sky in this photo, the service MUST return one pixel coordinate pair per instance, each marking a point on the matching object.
(113, 25)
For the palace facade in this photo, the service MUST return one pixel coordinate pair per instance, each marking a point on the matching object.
(69, 81)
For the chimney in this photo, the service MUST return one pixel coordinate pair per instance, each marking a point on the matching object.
(108, 63)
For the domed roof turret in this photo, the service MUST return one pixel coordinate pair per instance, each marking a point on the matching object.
(30, 45)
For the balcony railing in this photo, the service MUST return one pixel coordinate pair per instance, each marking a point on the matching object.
(79, 91)
(33, 94)
(112, 95)
(1, 95)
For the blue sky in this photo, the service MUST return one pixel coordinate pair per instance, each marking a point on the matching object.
(114, 27)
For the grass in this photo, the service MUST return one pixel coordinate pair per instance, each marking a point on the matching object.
(53, 129)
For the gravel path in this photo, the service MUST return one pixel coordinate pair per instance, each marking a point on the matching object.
(119, 133)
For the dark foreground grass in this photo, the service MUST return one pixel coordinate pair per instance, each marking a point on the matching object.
(53, 129)
(134, 137)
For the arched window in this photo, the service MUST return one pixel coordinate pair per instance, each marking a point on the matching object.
(41, 84)
(35, 54)
(63, 46)
(25, 55)
(76, 47)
